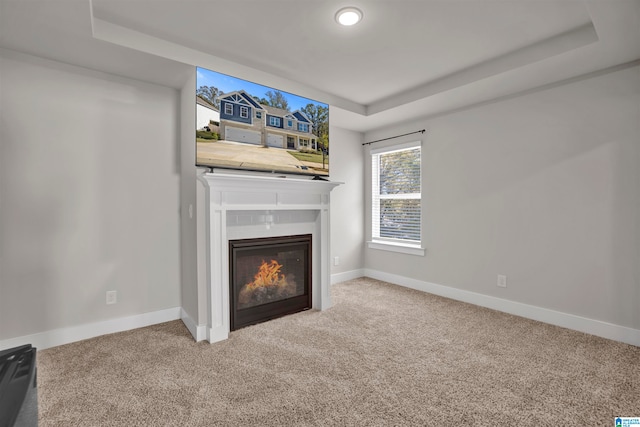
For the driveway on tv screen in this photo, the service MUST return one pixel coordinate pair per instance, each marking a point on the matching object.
(230, 154)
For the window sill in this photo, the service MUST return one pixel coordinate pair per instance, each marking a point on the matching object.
(397, 247)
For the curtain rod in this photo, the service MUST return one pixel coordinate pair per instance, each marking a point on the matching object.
(392, 137)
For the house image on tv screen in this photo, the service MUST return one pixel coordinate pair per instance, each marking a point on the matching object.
(242, 119)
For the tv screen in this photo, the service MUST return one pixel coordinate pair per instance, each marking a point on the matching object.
(247, 126)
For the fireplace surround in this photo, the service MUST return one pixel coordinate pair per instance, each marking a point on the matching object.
(239, 207)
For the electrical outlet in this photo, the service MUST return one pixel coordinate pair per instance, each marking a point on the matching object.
(336, 260)
(502, 281)
(112, 297)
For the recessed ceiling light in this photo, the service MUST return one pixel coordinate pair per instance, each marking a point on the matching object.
(348, 16)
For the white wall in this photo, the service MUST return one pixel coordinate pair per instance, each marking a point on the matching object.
(347, 202)
(543, 188)
(89, 187)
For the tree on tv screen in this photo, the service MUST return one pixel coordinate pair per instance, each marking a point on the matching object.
(211, 94)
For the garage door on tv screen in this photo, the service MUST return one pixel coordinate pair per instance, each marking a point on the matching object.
(247, 126)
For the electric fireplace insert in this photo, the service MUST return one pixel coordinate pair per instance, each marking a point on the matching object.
(269, 278)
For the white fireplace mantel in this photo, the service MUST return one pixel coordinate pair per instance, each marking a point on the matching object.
(247, 206)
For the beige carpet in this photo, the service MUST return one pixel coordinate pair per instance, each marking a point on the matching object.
(382, 356)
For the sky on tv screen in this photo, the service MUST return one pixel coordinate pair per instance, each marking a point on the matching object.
(230, 84)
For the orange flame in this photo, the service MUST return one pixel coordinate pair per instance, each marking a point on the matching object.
(272, 284)
(268, 275)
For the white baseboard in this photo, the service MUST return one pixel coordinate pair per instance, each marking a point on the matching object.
(62, 336)
(56, 337)
(577, 323)
(218, 333)
(347, 275)
(199, 332)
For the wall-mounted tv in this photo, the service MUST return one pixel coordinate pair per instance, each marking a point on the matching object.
(247, 126)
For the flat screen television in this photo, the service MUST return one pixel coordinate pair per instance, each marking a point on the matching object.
(246, 126)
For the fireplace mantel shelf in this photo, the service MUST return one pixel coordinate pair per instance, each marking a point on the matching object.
(274, 192)
(256, 206)
(288, 181)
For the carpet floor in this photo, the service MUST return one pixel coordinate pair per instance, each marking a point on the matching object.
(383, 355)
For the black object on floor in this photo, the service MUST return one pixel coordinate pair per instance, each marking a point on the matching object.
(18, 387)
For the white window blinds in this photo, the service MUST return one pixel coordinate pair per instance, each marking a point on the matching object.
(396, 193)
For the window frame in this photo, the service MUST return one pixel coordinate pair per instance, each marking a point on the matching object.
(228, 105)
(412, 247)
(274, 121)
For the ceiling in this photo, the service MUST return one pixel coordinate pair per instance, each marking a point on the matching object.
(407, 59)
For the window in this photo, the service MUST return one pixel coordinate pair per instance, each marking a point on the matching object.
(395, 200)
(274, 121)
(228, 109)
(244, 112)
(258, 115)
(290, 123)
(303, 127)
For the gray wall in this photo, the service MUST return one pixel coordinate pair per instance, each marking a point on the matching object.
(542, 188)
(89, 187)
(188, 249)
(97, 176)
(347, 200)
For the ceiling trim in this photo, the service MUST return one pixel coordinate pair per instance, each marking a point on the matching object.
(117, 34)
(575, 38)
(552, 46)
(420, 121)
